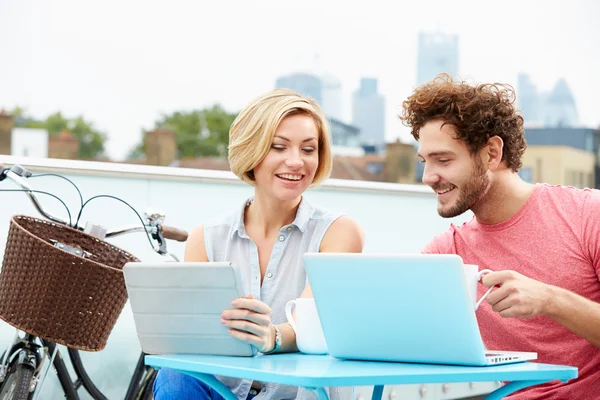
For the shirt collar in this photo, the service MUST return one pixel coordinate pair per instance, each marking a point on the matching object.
(303, 216)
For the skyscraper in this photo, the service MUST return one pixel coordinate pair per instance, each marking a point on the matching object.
(332, 97)
(437, 53)
(560, 108)
(368, 113)
(305, 84)
(528, 99)
(553, 109)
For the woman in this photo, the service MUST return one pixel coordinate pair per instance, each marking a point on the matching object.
(279, 144)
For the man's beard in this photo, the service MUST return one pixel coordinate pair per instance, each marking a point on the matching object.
(470, 193)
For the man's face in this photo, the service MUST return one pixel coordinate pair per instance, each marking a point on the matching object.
(458, 178)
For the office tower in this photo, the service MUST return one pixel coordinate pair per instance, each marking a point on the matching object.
(368, 113)
(437, 53)
(305, 84)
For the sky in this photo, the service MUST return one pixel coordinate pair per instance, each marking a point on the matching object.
(123, 63)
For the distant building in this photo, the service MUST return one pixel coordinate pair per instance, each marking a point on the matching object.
(305, 84)
(560, 108)
(6, 126)
(562, 156)
(64, 145)
(528, 99)
(437, 53)
(160, 147)
(344, 134)
(400, 164)
(29, 142)
(332, 97)
(554, 109)
(368, 113)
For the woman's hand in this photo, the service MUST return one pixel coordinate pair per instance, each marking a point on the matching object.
(250, 321)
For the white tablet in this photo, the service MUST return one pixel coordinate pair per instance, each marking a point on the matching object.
(177, 307)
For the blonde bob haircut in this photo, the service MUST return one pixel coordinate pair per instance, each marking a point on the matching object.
(251, 134)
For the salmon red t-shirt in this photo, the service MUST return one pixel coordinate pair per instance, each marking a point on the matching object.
(554, 238)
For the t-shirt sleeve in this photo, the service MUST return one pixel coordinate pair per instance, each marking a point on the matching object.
(431, 247)
(441, 244)
(591, 228)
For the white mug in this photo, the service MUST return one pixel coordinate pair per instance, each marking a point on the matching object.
(472, 278)
(307, 325)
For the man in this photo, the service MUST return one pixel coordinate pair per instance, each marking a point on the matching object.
(541, 241)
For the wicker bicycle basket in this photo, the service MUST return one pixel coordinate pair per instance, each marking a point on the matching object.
(58, 295)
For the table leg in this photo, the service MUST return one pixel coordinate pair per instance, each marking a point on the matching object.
(214, 383)
(511, 387)
(321, 393)
(377, 393)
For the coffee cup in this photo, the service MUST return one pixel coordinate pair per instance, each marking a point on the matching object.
(307, 325)
(472, 278)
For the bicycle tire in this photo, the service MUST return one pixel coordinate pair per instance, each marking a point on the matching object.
(82, 374)
(17, 383)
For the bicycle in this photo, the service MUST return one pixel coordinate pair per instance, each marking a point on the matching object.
(22, 363)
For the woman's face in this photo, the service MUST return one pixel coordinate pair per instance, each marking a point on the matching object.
(290, 165)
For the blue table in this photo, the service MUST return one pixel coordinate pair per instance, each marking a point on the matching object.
(317, 372)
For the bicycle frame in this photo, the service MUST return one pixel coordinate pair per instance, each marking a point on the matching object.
(28, 350)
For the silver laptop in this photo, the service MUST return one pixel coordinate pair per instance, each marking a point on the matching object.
(398, 307)
(177, 307)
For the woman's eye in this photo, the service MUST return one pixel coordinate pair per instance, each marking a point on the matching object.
(278, 147)
(309, 149)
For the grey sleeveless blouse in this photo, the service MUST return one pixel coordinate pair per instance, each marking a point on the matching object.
(285, 278)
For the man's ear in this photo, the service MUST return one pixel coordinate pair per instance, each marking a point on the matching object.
(493, 152)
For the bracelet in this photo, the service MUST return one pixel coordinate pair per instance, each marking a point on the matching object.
(277, 341)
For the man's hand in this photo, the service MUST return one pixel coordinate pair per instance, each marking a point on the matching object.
(250, 321)
(517, 296)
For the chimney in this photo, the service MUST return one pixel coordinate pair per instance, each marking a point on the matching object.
(64, 145)
(6, 126)
(161, 147)
(400, 163)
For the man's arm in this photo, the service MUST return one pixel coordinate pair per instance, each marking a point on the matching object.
(521, 297)
(576, 313)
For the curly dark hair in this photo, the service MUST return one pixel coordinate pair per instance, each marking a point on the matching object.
(477, 112)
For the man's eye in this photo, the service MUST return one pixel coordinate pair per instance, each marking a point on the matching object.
(444, 161)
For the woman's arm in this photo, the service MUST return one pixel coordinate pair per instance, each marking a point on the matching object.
(343, 236)
(195, 249)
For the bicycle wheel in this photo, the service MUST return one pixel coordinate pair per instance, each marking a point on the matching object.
(16, 383)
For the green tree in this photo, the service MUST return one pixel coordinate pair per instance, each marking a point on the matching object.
(199, 132)
(91, 141)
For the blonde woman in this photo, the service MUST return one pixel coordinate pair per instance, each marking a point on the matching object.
(280, 144)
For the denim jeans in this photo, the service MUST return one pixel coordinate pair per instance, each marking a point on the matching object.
(172, 385)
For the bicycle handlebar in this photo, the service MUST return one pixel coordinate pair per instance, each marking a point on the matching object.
(13, 174)
(16, 173)
(170, 232)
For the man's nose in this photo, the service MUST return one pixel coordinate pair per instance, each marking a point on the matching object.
(430, 177)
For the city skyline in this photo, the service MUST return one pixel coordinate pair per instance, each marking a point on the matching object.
(122, 65)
